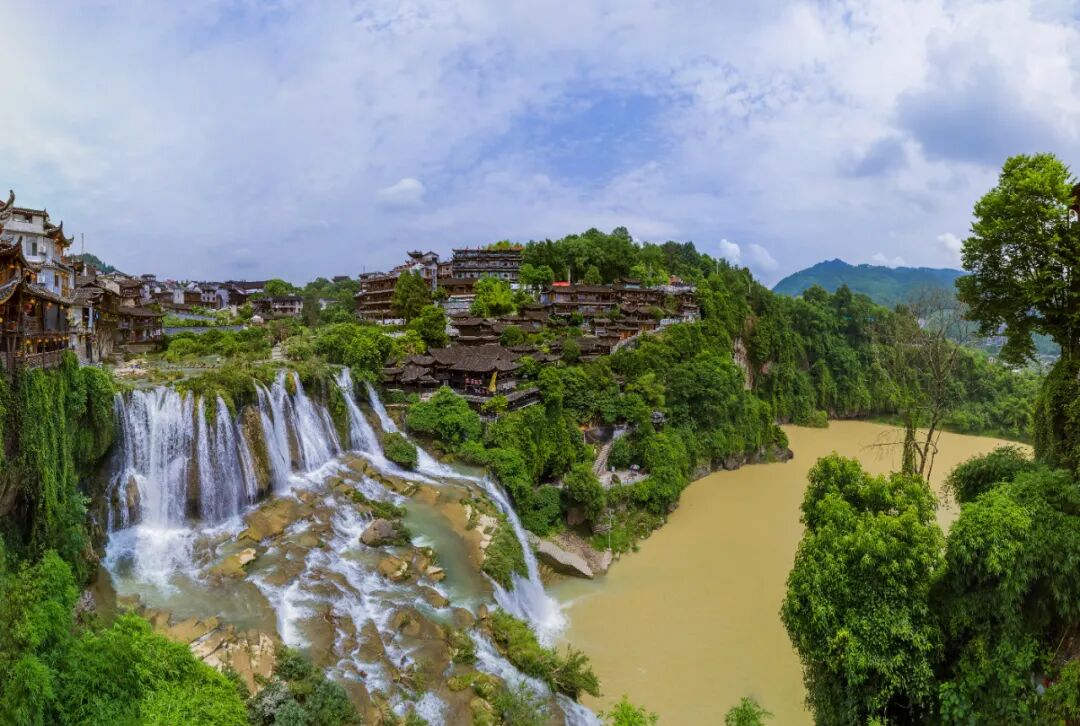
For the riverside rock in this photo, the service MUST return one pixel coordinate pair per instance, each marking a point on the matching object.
(379, 532)
(558, 559)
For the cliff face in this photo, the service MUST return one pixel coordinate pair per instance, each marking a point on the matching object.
(56, 426)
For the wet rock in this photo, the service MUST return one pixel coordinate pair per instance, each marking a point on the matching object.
(435, 573)
(379, 532)
(251, 422)
(131, 496)
(271, 519)
(406, 621)
(233, 565)
(558, 559)
(191, 629)
(482, 612)
(463, 619)
(433, 597)
(394, 568)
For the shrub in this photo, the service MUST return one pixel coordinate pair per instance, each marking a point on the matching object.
(568, 673)
(746, 712)
(625, 713)
(504, 556)
(400, 450)
(445, 417)
(582, 488)
(979, 473)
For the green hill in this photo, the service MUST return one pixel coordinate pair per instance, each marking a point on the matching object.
(884, 285)
(94, 261)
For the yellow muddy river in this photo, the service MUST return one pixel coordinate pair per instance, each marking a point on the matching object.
(690, 624)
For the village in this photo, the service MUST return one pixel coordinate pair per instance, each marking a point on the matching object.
(52, 300)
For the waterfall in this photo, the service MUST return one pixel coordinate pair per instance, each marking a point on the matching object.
(314, 429)
(157, 431)
(361, 436)
(527, 599)
(425, 462)
(184, 455)
(377, 406)
(276, 434)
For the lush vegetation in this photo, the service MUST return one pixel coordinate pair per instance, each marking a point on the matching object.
(298, 693)
(747, 712)
(400, 450)
(896, 623)
(55, 427)
(56, 671)
(567, 672)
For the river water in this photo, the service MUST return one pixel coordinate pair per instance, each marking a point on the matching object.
(690, 623)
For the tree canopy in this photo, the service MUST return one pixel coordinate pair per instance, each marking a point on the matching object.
(1023, 258)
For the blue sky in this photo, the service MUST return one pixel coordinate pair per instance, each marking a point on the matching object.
(217, 139)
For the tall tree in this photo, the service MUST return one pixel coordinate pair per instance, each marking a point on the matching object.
(493, 298)
(411, 295)
(1024, 258)
(857, 606)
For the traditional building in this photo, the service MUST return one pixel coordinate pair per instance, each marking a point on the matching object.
(44, 245)
(34, 327)
(375, 299)
(502, 263)
(281, 306)
(478, 374)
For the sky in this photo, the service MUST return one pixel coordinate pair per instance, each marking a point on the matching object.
(238, 139)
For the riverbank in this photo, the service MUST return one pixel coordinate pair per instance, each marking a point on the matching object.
(702, 596)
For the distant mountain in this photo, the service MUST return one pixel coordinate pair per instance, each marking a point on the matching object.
(94, 262)
(884, 285)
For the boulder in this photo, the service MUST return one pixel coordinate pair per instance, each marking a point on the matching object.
(435, 573)
(558, 559)
(433, 597)
(271, 519)
(394, 568)
(379, 532)
(233, 565)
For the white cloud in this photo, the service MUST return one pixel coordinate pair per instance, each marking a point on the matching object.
(880, 258)
(759, 258)
(189, 128)
(407, 192)
(952, 245)
(730, 251)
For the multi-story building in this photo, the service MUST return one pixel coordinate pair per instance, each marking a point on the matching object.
(34, 326)
(375, 299)
(44, 246)
(281, 306)
(501, 262)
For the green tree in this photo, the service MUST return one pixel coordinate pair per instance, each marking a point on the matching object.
(582, 488)
(857, 606)
(625, 713)
(411, 295)
(536, 277)
(493, 298)
(747, 712)
(278, 287)
(592, 276)
(1022, 258)
(431, 326)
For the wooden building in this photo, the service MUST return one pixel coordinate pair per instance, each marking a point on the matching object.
(478, 374)
(33, 320)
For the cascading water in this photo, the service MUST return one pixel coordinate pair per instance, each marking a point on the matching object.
(318, 439)
(361, 436)
(186, 465)
(425, 462)
(527, 599)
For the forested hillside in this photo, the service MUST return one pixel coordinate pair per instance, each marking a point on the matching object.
(886, 286)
